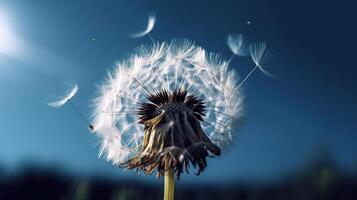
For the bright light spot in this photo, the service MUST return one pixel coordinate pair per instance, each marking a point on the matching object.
(9, 44)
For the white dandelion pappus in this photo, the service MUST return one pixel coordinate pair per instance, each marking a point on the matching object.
(259, 54)
(237, 44)
(178, 70)
(150, 26)
(71, 90)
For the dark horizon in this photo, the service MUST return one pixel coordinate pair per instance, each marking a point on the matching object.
(320, 180)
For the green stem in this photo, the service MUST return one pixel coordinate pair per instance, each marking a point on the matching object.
(169, 186)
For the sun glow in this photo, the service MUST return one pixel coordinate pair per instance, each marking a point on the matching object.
(9, 44)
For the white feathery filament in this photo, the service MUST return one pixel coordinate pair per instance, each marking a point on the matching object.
(71, 90)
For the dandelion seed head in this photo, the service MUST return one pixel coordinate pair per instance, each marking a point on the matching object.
(171, 104)
(71, 91)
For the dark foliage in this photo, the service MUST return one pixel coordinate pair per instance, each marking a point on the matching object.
(320, 182)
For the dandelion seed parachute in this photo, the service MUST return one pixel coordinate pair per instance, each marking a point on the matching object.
(150, 26)
(237, 44)
(170, 105)
(71, 91)
(259, 54)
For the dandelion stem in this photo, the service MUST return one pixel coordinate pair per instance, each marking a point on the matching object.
(80, 114)
(169, 186)
(231, 58)
(250, 73)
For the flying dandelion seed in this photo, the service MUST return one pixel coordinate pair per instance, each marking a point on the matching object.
(260, 54)
(150, 26)
(71, 91)
(237, 44)
(169, 106)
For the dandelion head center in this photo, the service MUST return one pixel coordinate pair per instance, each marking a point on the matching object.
(174, 107)
(173, 135)
(176, 103)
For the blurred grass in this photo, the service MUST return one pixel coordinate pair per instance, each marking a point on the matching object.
(318, 180)
(82, 190)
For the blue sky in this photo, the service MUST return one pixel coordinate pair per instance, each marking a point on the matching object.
(310, 107)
